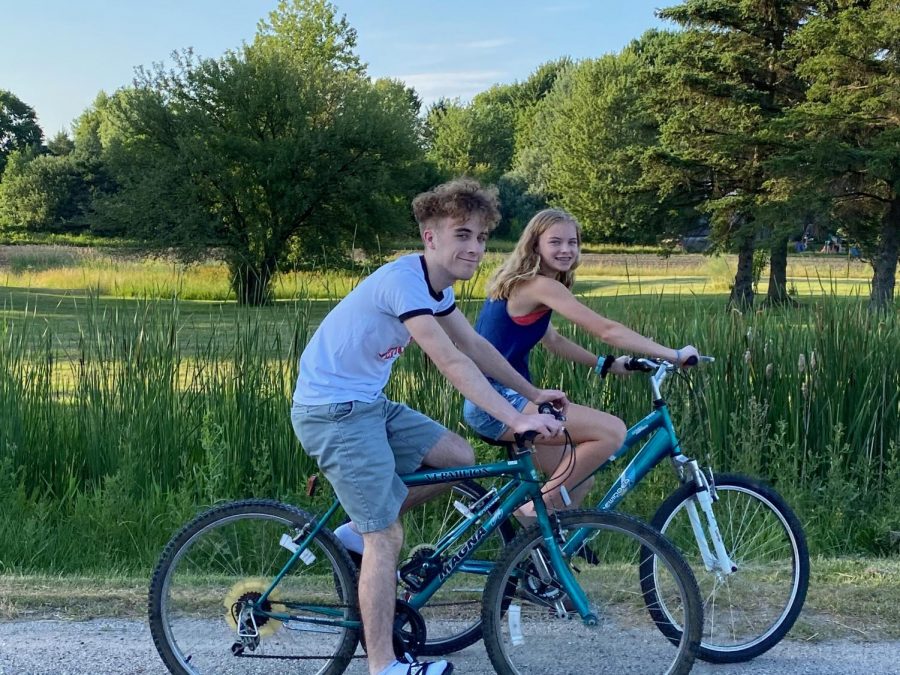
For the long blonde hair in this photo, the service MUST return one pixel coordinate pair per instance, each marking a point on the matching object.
(524, 262)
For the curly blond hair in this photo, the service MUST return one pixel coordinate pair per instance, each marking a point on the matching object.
(524, 262)
(459, 199)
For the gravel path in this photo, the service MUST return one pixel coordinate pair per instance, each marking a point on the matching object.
(124, 647)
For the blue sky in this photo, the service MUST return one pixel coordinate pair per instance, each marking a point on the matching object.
(56, 55)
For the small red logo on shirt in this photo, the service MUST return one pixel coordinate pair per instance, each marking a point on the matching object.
(392, 353)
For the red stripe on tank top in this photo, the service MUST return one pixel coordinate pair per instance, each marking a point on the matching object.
(530, 318)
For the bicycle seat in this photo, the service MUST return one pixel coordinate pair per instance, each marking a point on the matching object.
(509, 446)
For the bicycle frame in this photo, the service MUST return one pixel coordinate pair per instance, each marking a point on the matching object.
(524, 486)
(656, 429)
(662, 442)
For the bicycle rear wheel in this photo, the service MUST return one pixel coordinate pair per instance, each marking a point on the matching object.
(528, 635)
(748, 612)
(453, 615)
(226, 558)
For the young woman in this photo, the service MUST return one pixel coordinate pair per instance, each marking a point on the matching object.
(532, 284)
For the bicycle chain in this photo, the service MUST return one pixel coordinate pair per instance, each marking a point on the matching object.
(243, 655)
(294, 658)
(430, 604)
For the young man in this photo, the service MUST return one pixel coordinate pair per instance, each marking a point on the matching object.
(361, 440)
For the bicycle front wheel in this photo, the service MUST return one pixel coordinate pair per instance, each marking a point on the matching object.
(212, 573)
(747, 612)
(537, 631)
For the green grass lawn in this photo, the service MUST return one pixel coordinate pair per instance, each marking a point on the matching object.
(54, 286)
(67, 315)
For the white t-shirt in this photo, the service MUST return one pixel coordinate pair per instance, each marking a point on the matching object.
(350, 355)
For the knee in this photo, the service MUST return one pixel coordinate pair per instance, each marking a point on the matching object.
(587, 484)
(616, 432)
(460, 452)
(451, 450)
(394, 534)
(390, 539)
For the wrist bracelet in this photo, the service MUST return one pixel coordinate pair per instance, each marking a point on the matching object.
(607, 364)
(677, 357)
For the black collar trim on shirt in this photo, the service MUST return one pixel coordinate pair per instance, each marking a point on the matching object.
(437, 295)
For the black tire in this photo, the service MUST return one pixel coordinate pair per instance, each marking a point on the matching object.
(453, 615)
(232, 552)
(750, 611)
(528, 636)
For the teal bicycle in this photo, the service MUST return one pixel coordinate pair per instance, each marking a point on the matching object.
(263, 587)
(745, 544)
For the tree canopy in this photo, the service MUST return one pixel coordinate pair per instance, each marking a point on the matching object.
(724, 79)
(756, 117)
(18, 126)
(843, 141)
(281, 146)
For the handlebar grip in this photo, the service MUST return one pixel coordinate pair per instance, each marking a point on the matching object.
(691, 361)
(527, 437)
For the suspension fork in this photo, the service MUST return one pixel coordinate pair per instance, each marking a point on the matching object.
(690, 472)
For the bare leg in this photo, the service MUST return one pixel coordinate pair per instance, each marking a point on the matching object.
(451, 450)
(377, 591)
(596, 435)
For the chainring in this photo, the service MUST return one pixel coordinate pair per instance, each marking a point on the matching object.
(409, 630)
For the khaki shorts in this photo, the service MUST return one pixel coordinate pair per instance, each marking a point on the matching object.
(362, 448)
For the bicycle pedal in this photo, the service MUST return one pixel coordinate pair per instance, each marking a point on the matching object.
(311, 484)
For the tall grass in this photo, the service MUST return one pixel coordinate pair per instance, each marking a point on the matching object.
(116, 441)
(113, 436)
(807, 399)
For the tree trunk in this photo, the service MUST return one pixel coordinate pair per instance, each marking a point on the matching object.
(742, 291)
(251, 282)
(885, 261)
(777, 294)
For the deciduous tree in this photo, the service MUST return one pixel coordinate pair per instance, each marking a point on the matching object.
(283, 145)
(18, 126)
(42, 192)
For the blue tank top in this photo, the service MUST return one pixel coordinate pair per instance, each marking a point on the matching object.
(514, 341)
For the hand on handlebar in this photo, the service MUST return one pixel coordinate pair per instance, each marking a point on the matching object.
(619, 366)
(555, 397)
(543, 424)
(688, 356)
(637, 364)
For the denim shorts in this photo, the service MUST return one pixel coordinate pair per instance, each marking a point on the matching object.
(361, 448)
(485, 425)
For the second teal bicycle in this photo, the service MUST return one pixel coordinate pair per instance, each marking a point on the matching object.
(745, 544)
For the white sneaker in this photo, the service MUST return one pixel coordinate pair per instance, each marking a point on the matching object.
(409, 666)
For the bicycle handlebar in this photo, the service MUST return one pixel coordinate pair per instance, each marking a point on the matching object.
(659, 368)
(653, 365)
(548, 409)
